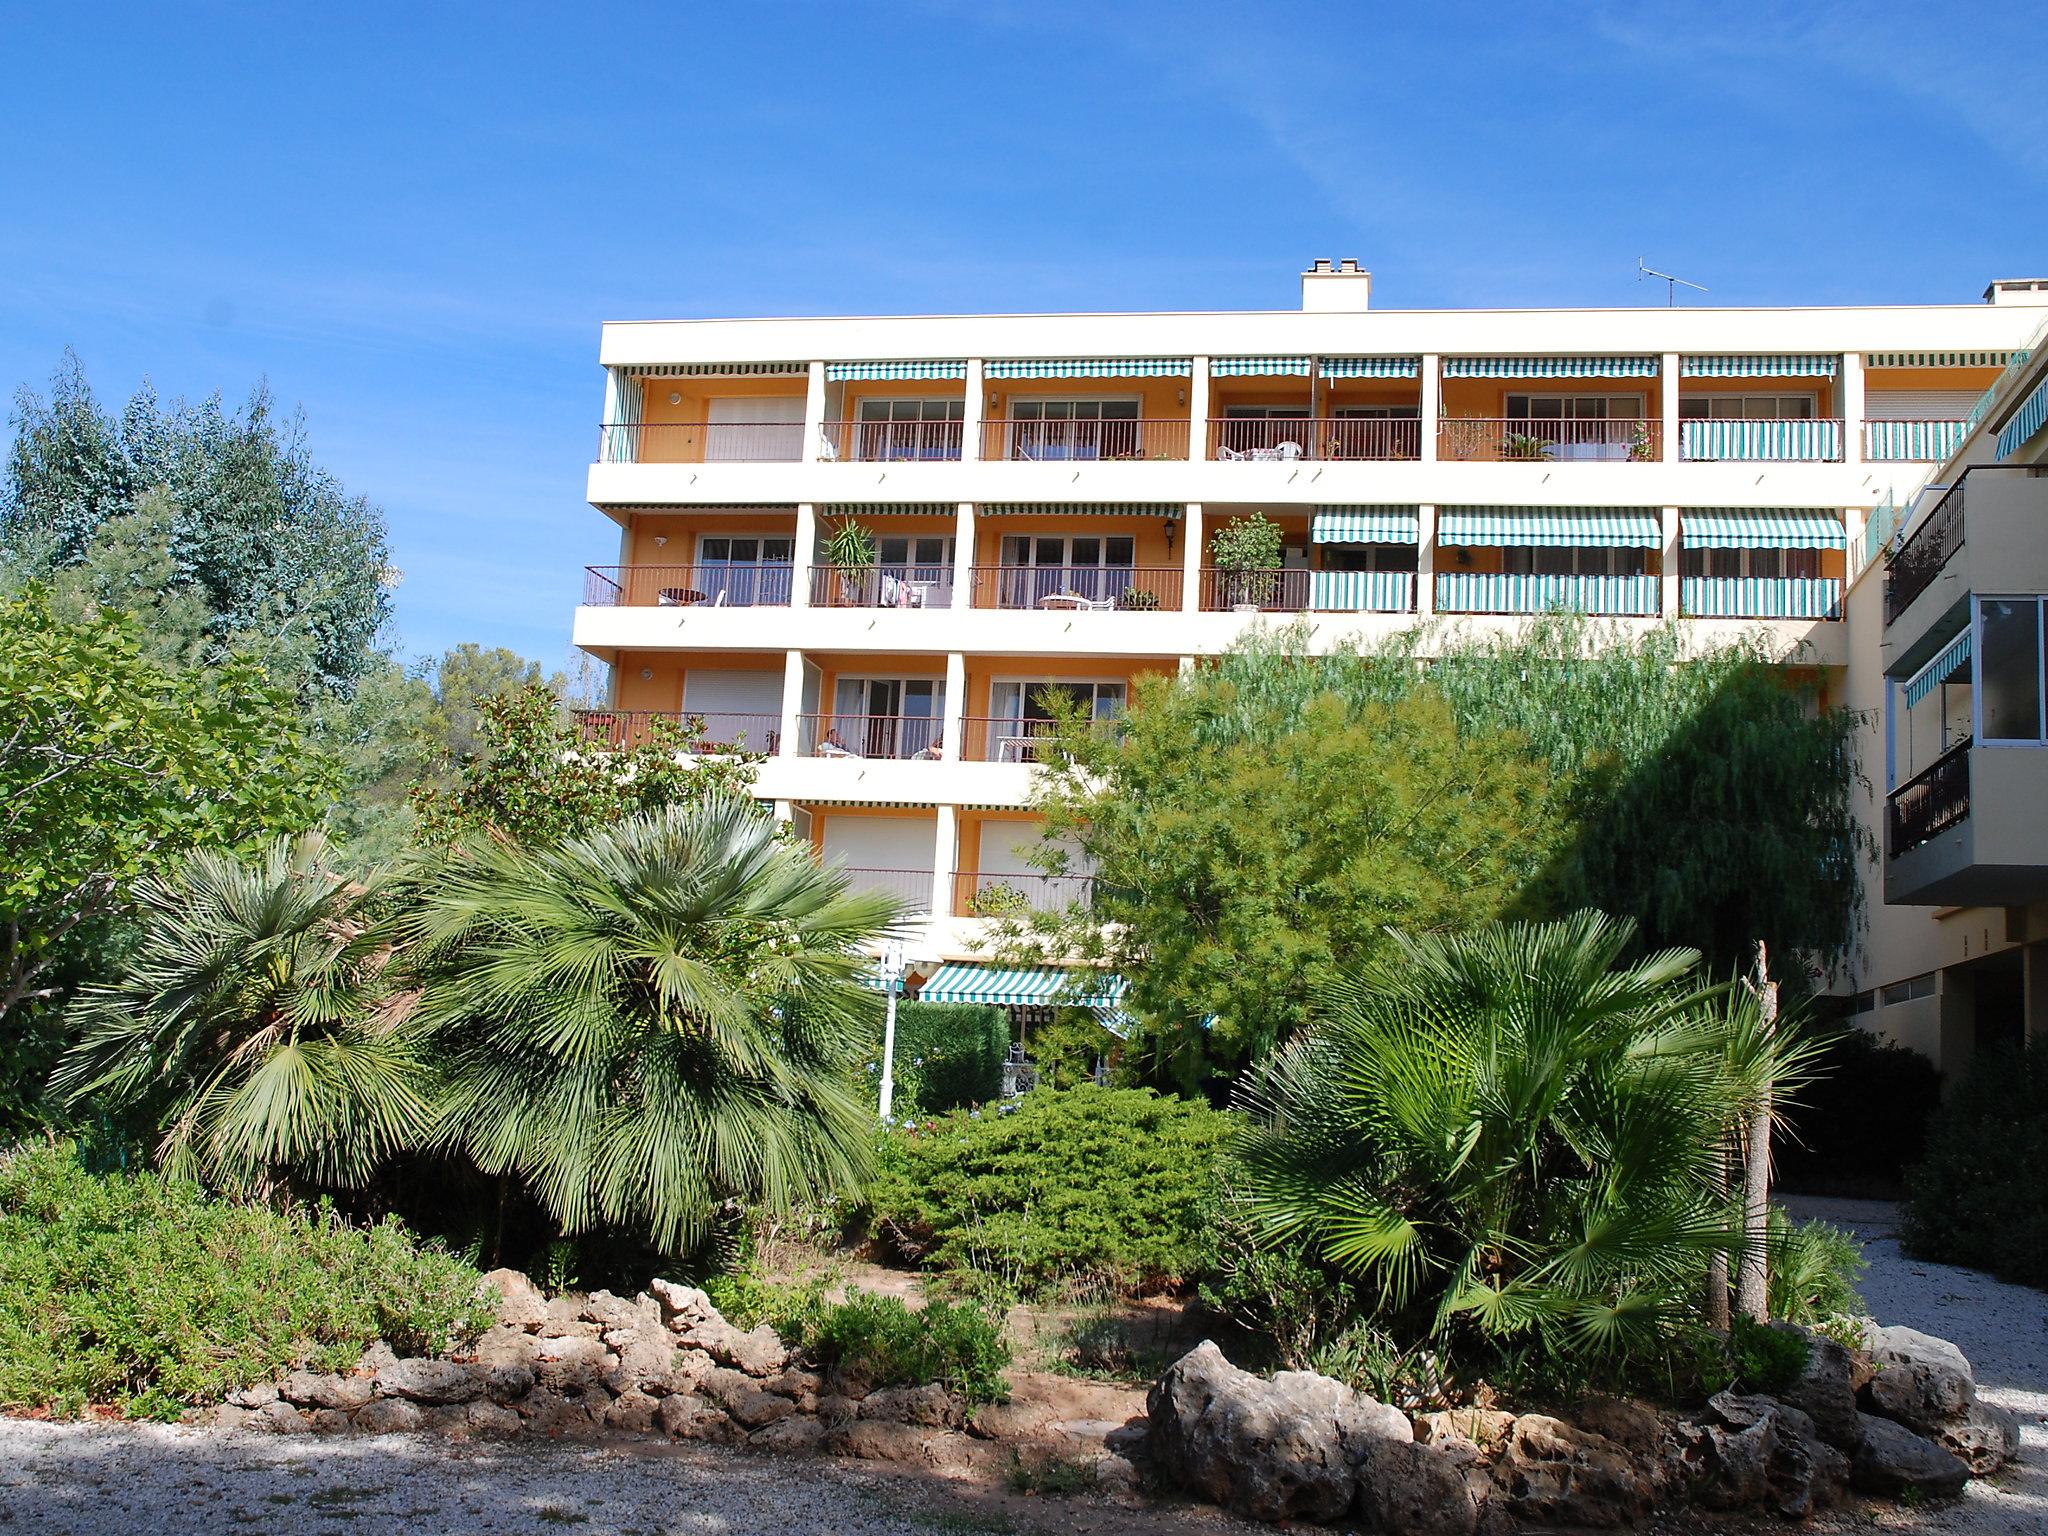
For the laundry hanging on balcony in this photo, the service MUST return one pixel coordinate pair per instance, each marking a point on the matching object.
(1021, 987)
(1775, 365)
(2025, 422)
(1761, 528)
(1088, 368)
(1366, 525)
(1550, 367)
(841, 373)
(1954, 657)
(1259, 367)
(1371, 367)
(1552, 527)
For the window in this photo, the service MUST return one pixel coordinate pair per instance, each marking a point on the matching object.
(1024, 699)
(884, 717)
(1073, 429)
(2009, 669)
(1089, 566)
(1369, 557)
(1251, 428)
(910, 429)
(1746, 408)
(1767, 564)
(1545, 560)
(1909, 990)
(742, 571)
(1574, 407)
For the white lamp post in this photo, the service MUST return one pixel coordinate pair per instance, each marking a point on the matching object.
(891, 972)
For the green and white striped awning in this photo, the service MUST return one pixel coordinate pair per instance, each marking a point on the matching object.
(1552, 527)
(875, 982)
(1777, 365)
(890, 508)
(1371, 367)
(1087, 367)
(1258, 367)
(719, 370)
(1038, 986)
(1953, 658)
(1937, 359)
(2024, 423)
(1550, 367)
(839, 373)
(1366, 525)
(1761, 528)
(1084, 508)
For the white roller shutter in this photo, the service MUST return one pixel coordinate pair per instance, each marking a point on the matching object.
(879, 842)
(731, 702)
(763, 413)
(1918, 404)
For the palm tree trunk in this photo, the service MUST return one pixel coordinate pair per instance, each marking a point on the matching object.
(1752, 1285)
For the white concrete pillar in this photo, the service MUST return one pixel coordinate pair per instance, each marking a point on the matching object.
(792, 702)
(1191, 559)
(804, 553)
(1668, 606)
(971, 417)
(1430, 375)
(814, 414)
(1198, 409)
(953, 709)
(1852, 407)
(945, 860)
(1667, 409)
(785, 811)
(1425, 562)
(964, 536)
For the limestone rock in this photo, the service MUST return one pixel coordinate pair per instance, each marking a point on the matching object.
(564, 1320)
(633, 1412)
(930, 1405)
(1117, 1477)
(1924, 1396)
(225, 1416)
(493, 1420)
(328, 1421)
(848, 1381)
(431, 1381)
(801, 1387)
(387, 1415)
(520, 1303)
(753, 1408)
(1553, 1474)
(279, 1418)
(376, 1359)
(1909, 1346)
(1826, 1391)
(1891, 1459)
(682, 1306)
(834, 1410)
(1411, 1489)
(758, 1353)
(1770, 1454)
(1984, 1440)
(879, 1440)
(646, 1359)
(1484, 1427)
(794, 1435)
(324, 1389)
(571, 1364)
(259, 1394)
(689, 1417)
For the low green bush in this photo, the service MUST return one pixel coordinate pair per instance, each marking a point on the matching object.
(1766, 1359)
(146, 1293)
(949, 1055)
(1814, 1270)
(1080, 1189)
(955, 1344)
(1861, 1121)
(1978, 1197)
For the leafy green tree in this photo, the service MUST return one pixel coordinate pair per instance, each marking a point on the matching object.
(255, 1025)
(1510, 1137)
(651, 1019)
(1247, 850)
(115, 765)
(533, 778)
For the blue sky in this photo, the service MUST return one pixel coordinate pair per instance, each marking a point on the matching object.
(413, 219)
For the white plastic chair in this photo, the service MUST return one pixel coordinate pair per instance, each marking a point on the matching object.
(1287, 453)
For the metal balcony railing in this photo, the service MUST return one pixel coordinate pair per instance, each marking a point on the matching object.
(1760, 597)
(1929, 547)
(719, 731)
(688, 586)
(1915, 442)
(1079, 588)
(981, 894)
(1489, 592)
(899, 737)
(882, 586)
(1084, 440)
(893, 442)
(1511, 439)
(911, 887)
(1800, 441)
(1929, 803)
(700, 442)
(1274, 591)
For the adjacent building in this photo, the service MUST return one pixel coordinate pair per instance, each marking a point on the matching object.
(874, 548)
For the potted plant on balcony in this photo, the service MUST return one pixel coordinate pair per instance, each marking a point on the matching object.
(852, 553)
(1137, 600)
(1247, 551)
(1520, 445)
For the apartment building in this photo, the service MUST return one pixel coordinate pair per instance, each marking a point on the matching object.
(870, 547)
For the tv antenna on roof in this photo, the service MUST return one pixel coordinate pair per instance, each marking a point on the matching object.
(1671, 283)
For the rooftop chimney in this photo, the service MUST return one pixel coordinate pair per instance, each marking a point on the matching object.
(2007, 290)
(1341, 289)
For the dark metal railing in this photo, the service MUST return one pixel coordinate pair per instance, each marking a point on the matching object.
(719, 731)
(1071, 588)
(893, 442)
(882, 586)
(700, 442)
(1495, 439)
(1929, 803)
(765, 585)
(1921, 558)
(1272, 591)
(981, 894)
(1088, 439)
(910, 737)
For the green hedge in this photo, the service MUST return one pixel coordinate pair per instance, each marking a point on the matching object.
(1979, 1198)
(1086, 1188)
(950, 1055)
(148, 1294)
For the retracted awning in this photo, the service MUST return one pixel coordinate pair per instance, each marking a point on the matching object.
(2025, 422)
(1259, 367)
(718, 370)
(890, 508)
(1936, 359)
(1761, 528)
(1954, 657)
(1371, 367)
(839, 373)
(1087, 367)
(1554, 527)
(1774, 365)
(1083, 508)
(1036, 986)
(1550, 367)
(1366, 525)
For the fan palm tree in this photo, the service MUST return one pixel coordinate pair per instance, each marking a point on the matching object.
(1509, 1130)
(651, 1020)
(256, 1024)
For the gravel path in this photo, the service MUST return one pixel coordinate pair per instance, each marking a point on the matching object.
(2004, 1331)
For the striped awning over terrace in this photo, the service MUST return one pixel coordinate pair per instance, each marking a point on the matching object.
(1037, 986)
(1552, 527)
(1259, 367)
(1774, 365)
(1550, 367)
(718, 370)
(1371, 367)
(1761, 528)
(2026, 421)
(1087, 367)
(1366, 525)
(1953, 658)
(840, 373)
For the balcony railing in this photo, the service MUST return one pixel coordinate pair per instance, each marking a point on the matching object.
(1362, 592)
(700, 442)
(911, 887)
(1808, 441)
(1255, 591)
(1087, 440)
(1929, 803)
(981, 894)
(1760, 597)
(721, 731)
(893, 442)
(898, 737)
(883, 586)
(1915, 442)
(1927, 549)
(1079, 588)
(1486, 592)
(688, 586)
(1499, 439)
(1282, 439)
